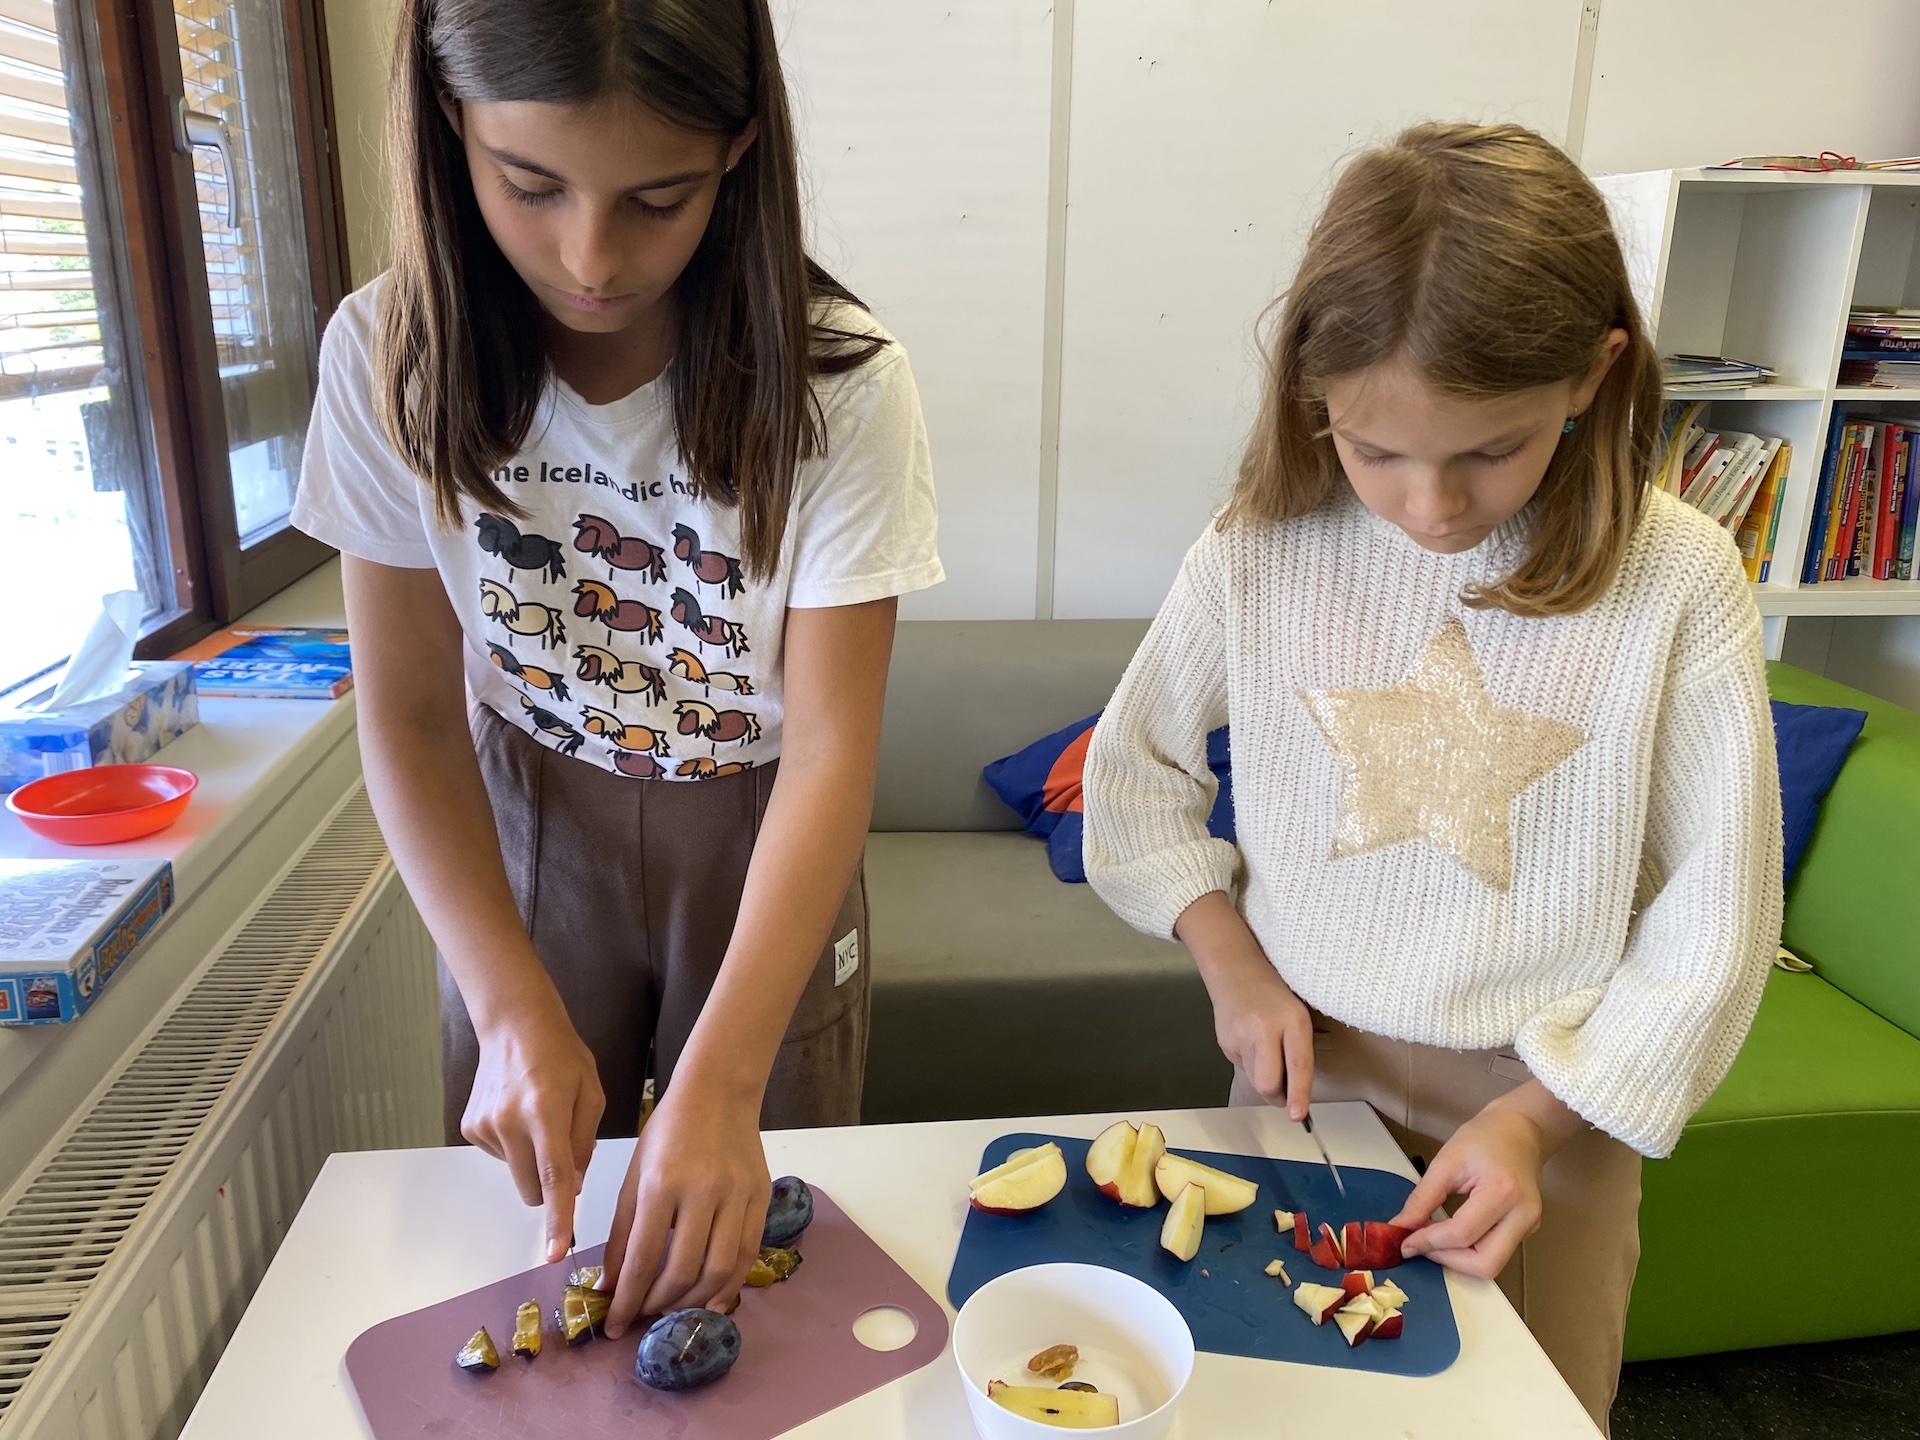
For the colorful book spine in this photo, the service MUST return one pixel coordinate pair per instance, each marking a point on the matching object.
(1910, 506)
(1846, 489)
(1755, 530)
(1810, 565)
(1784, 463)
(1886, 530)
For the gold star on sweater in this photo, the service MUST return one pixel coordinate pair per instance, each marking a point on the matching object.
(1435, 759)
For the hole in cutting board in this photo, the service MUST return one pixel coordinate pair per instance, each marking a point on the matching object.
(885, 1327)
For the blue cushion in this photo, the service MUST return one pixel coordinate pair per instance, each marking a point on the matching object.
(1812, 741)
(1042, 785)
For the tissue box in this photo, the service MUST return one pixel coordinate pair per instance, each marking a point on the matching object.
(158, 703)
(66, 926)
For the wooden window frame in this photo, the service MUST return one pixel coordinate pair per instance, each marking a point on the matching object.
(216, 581)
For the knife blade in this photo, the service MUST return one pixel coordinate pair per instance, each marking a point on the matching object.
(1306, 1124)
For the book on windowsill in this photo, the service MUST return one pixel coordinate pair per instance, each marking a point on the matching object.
(66, 927)
(255, 662)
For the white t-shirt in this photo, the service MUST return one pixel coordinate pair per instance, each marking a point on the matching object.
(614, 621)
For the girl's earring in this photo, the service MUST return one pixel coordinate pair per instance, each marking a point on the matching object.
(1567, 429)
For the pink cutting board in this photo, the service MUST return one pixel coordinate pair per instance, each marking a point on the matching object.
(798, 1356)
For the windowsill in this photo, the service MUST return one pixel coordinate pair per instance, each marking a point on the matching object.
(249, 755)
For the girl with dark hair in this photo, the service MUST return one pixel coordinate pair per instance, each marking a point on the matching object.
(1504, 776)
(610, 457)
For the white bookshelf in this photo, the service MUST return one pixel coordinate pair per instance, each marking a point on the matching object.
(1764, 265)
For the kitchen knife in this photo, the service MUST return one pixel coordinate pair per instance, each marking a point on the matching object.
(1306, 1124)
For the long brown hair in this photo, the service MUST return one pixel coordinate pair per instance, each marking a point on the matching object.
(1482, 255)
(460, 360)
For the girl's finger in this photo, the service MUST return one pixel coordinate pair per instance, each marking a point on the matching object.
(1478, 1215)
(1299, 1062)
(559, 1186)
(516, 1148)
(1430, 1194)
(1269, 1075)
(726, 1268)
(1490, 1256)
(686, 1257)
(642, 1239)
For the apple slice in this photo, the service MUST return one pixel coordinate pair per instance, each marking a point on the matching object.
(1383, 1244)
(1110, 1154)
(1278, 1270)
(1390, 1295)
(1226, 1194)
(1136, 1179)
(1355, 1327)
(1283, 1220)
(1043, 1176)
(1018, 1160)
(1064, 1409)
(1389, 1327)
(1326, 1250)
(1357, 1282)
(1302, 1231)
(1319, 1301)
(1353, 1244)
(1180, 1232)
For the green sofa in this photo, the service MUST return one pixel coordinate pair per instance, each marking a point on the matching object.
(1787, 1213)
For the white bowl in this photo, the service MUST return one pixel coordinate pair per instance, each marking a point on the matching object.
(1133, 1345)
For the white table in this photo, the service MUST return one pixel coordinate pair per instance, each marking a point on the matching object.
(388, 1232)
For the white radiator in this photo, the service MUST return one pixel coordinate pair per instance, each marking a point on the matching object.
(131, 1246)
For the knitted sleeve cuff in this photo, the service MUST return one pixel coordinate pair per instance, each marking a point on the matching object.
(1150, 892)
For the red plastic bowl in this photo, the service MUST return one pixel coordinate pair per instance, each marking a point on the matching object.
(104, 804)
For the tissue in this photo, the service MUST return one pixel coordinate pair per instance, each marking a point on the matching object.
(99, 667)
(105, 709)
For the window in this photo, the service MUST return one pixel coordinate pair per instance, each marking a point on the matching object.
(169, 250)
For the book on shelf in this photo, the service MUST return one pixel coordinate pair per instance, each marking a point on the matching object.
(1865, 505)
(1882, 348)
(256, 662)
(1761, 527)
(1722, 474)
(1710, 372)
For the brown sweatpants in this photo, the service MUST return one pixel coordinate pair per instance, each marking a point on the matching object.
(629, 889)
(1572, 1278)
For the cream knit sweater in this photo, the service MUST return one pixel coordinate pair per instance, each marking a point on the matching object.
(1660, 769)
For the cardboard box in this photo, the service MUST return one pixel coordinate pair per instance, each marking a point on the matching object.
(66, 928)
(159, 703)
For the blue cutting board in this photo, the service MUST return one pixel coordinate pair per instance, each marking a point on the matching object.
(1232, 1306)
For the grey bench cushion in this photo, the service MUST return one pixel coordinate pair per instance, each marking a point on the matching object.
(998, 990)
(963, 692)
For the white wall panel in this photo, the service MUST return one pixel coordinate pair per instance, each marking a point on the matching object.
(924, 129)
(1696, 82)
(1203, 137)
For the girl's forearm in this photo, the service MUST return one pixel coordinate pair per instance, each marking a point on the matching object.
(803, 861)
(433, 810)
(1221, 942)
(1556, 1121)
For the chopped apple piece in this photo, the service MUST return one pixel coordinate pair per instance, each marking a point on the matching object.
(1357, 1282)
(1279, 1272)
(1390, 1295)
(1110, 1154)
(1382, 1245)
(1353, 1245)
(1033, 1184)
(1302, 1232)
(1283, 1221)
(1180, 1232)
(1136, 1179)
(1389, 1327)
(1326, 1251)
(1319, 1301)
(1226, 1194)
(1355, 1327)
(1065, 1409)
(1018, 1160)
(1363, 1305)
